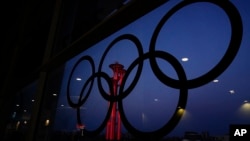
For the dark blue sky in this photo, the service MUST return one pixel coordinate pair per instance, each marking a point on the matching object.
(201, 32)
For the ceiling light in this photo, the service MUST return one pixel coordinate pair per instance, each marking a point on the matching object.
(216, 81)
(78, 79)
(184, 59)
(232, 92)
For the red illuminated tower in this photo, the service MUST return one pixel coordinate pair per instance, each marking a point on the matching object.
(113, 131)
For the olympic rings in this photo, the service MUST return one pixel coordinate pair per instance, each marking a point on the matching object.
(103, 124)
(182, 83)
(80, 102)
(237, 30)
(181, 103)
(139, 70)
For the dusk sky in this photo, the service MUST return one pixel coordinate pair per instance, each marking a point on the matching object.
(200, 32)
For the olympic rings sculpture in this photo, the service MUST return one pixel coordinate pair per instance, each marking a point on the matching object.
(182, 83)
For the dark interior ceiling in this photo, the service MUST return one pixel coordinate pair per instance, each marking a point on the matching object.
(26, 27)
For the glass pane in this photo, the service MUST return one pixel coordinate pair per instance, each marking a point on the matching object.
(19, 122)
(175, 83)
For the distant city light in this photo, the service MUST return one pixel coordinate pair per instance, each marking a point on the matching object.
(54, 94)
(47, 122)
(184, 59)
(32, 100)
(245, 109)
(180, 111)
(17, 105)
(17, 125)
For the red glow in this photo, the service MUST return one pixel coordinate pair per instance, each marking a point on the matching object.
(113, 129)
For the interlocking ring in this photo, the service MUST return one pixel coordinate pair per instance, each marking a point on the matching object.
(82, 101)
(91, 81)
(181, 103)
(182, 83)
(138, 45)
(99, 75)
(237, 30)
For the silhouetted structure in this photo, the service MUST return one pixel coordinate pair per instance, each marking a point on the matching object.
(114, 124)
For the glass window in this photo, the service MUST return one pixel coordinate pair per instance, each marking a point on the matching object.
(19, 122)
(78, 17)
(182, 77)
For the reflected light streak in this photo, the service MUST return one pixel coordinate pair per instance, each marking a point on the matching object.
(144, 118)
